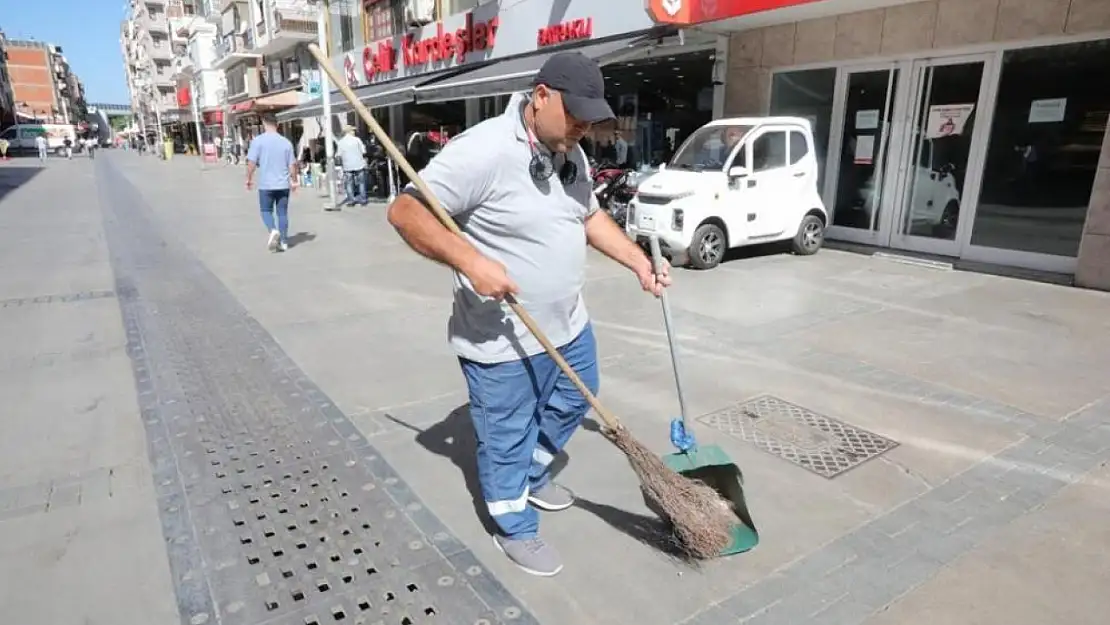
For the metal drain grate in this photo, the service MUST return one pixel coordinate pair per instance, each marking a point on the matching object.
(275, 509)
(813, 441)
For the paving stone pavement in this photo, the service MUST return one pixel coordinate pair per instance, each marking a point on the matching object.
(989, 509)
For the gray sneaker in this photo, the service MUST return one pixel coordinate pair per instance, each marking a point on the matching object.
(552, 497)
(532, 555)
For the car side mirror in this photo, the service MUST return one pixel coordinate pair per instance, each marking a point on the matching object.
(738, 172)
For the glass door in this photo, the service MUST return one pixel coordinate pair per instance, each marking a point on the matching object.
(863, 126)
(940, 154)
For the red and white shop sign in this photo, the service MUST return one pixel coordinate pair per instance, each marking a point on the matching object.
(687, 12)
(443, 46)
(573, 30)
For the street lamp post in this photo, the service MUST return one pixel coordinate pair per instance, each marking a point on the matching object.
(196, 116)
(325, 95)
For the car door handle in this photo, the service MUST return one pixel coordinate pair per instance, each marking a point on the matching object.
(799, 174)
(751, 183)
(751, 216)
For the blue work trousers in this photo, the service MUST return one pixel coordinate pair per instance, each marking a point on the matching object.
(524, 412)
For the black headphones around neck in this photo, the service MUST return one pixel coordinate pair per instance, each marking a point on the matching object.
(542, 165)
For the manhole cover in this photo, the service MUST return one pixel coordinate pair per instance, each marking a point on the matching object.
(813, 441)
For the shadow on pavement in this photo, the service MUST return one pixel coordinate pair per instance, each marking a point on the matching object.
(14, 176)
(453, 438)
(301, 237)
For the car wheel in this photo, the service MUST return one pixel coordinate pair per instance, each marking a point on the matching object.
(810, 237)
(708, 247)
(949, 220)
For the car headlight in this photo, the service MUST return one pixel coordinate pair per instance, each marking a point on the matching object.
(677, 220)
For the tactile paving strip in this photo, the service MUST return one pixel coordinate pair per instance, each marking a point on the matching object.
(811, 440)
(274, 507)
(55, 299)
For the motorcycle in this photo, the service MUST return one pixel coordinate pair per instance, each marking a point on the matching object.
(614, 191)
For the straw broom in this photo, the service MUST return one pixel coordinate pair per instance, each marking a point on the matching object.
(701, 518)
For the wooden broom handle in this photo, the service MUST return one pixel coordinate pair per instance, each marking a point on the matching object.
(437, 209)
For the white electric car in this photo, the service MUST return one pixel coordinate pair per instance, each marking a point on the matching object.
(733, 182)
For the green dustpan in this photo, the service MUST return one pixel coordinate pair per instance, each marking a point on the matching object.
(708, 464)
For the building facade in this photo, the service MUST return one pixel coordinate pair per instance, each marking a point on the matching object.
(41, 85)
(152, 40)
(7, 97)
(970, 129)
(439, 67)
(262, 51)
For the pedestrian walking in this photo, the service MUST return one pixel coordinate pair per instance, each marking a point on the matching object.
(40, 144)
(69, 147)
(272, 156)
(352, 157)
(4, 149)
(520, 180)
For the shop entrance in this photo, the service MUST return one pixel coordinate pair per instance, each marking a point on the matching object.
(906, 151)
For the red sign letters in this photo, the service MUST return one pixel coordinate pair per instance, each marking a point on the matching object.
(441, 47)
(573, 30)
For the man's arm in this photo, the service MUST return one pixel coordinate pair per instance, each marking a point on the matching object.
(425, 234)
(604, 235)
(252, 162)
(294, 170)
(460, 179)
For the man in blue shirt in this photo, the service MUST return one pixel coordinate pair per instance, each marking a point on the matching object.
(272, 155)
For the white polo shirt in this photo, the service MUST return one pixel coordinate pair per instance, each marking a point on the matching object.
(536, 229)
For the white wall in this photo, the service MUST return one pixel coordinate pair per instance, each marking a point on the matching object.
(208, 88)
(202, 50)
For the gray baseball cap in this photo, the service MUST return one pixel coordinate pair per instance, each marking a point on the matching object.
(578, 78)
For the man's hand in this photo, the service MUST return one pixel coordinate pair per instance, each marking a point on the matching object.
(250, 184)
(651, 281)
(489, 278)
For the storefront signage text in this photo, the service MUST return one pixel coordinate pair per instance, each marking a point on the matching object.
(573, 30)
(442, 46)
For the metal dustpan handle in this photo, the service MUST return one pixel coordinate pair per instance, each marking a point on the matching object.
(682, 437)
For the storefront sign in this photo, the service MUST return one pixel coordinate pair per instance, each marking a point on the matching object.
(213, 118)
(699, 11)
(867, 119)
(947, 120)
(1048, 111)
(574, 30)
(442, 46)
(183, 96)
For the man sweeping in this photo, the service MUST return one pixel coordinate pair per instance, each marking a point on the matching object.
(518, 187)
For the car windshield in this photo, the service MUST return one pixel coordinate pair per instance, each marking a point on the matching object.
(709, 147)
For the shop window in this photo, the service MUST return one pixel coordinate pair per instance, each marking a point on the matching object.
(381, 19)
(769, 151)
(799, 147)
(345, 17)
(1044, 148)
(807, 94)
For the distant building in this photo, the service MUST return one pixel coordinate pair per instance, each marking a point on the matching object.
(40, 84)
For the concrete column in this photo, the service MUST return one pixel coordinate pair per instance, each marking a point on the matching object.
(472, 112)
(1093, 268)
(397, 123)
(720, 76)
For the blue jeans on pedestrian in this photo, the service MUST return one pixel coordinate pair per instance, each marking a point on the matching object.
(354, 184)
(524, 412)
(275, 201)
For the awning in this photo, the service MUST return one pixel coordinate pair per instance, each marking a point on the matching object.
(399, 91)
(512, 75)
(281, 99)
